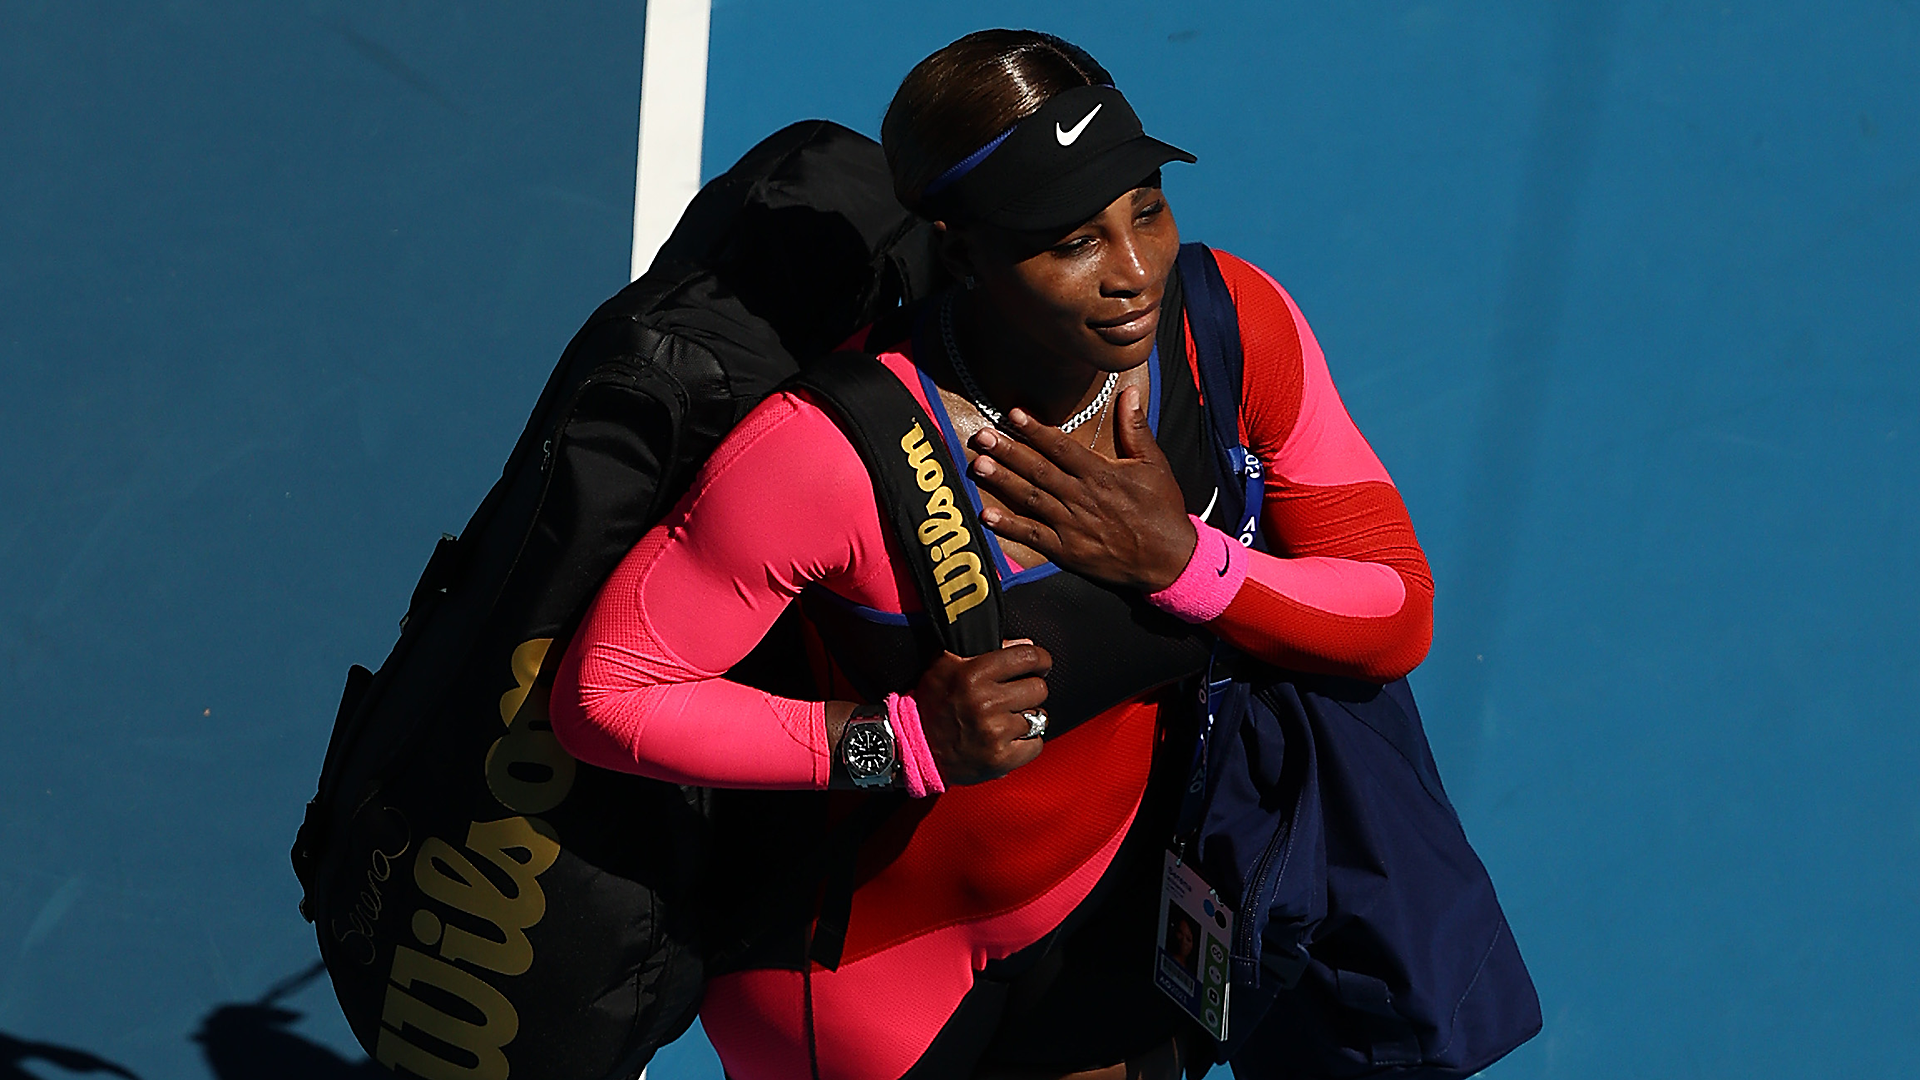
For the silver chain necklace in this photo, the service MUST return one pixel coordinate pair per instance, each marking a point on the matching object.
(979, 399)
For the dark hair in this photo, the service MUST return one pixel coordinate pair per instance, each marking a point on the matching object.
(956, 101)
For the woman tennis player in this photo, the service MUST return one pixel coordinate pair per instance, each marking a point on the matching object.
(1005, 924)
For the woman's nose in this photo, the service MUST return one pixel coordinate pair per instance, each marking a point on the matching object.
(1127, 273)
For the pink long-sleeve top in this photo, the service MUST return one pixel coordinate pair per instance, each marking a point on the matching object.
(786, 503)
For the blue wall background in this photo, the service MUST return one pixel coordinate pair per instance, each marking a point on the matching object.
(1625, 294)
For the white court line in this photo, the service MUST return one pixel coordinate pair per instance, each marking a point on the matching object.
(673, 118)
(673, 113)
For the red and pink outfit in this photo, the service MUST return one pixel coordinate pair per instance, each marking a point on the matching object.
(786, 504)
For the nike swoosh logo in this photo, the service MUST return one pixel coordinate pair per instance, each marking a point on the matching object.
(1066, 136)
(1226, 560)
(1208, 512)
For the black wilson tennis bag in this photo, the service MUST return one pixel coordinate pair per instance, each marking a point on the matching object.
(487, 906)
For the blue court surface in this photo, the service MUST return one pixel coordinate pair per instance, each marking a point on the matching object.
(1626, 295)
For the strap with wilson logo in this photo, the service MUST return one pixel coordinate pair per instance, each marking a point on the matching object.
(921, 493)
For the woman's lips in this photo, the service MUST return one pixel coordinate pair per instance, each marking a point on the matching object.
(1127, 328)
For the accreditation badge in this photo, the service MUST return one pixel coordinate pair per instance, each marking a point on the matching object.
(1190, 962)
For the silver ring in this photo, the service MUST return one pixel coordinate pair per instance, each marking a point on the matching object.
(1036, 724)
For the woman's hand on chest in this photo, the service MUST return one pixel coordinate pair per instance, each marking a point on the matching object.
(1117, 519)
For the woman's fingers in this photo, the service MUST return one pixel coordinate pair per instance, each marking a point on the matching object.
(1037, 493)
(1020, 695)
(1017, 486)
(1120, 520)
(1009, 727)
(1132, 434)
(970, 710)
(1032, 514)
(1058, 447)
(1036, 535)
(1041, 462)
(1014, 660)
(1020, 753)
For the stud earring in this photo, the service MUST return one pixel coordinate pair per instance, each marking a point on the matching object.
(967, 282)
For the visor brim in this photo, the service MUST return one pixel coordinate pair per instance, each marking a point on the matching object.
(1076, 196)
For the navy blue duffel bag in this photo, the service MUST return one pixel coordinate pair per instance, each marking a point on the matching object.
(1369, 942)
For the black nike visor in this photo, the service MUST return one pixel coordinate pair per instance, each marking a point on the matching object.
(1083, 149)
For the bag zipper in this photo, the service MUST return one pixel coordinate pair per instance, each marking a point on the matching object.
(1245, 948)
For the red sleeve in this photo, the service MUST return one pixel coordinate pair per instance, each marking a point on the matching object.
(1347, 590)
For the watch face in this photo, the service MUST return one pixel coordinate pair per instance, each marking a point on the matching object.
(868, 750)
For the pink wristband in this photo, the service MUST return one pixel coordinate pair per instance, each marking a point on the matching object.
(916, 757)
(1212, 577)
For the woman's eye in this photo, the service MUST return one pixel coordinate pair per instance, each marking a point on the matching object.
(1152, 209)
(1073, 246)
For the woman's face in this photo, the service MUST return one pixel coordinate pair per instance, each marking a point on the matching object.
(1091, 296)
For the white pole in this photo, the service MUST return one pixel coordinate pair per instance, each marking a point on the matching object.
(673, 112)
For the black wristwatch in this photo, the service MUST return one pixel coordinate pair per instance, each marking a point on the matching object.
(867, 750)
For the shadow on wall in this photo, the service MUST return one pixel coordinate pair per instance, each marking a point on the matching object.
(16, 1053)
(241, 1042)
(256, 1041)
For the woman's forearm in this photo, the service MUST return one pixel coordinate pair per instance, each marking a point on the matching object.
(643, 685)
(676, 732)
(1347, 590)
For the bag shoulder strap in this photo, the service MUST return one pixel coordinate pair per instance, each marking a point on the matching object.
(1216, 337)
(917, 485)
(919, 489)
(1221, 365)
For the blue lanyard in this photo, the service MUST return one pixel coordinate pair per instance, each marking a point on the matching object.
(1193, 801)
(1219, 365)
(1253, 476)
(1213, 691)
